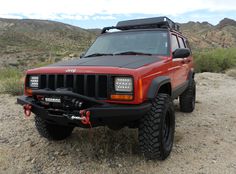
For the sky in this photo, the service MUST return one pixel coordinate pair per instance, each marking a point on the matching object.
(100, 13)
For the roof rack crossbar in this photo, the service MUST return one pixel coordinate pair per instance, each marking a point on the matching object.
(107, 29)
(157, 22)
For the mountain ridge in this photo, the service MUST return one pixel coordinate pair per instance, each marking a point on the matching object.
(28, 41)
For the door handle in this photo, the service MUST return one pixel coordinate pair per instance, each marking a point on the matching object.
(185, 60)
(188, 60)
(182, 61)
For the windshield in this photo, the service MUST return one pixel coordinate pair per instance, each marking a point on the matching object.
(139, 42)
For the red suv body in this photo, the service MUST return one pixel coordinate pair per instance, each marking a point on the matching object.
(122, 80)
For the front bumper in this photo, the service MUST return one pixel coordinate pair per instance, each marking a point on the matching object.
(104, 114)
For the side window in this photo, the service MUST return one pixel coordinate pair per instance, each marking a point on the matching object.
(187, 45)
(174, 42)
(181, 42)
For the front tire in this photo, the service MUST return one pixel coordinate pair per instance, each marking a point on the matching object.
(157, 127)
(52, 131)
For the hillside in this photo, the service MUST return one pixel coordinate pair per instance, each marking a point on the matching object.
(205, 35)
(26, 41)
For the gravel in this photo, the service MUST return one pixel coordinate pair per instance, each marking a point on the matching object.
(205, 140)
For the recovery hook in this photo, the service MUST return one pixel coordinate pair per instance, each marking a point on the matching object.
(27, 109)
(86, 117)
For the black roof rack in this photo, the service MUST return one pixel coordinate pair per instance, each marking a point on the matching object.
(156, 22)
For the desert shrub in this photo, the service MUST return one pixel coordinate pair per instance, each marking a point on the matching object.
(11, 81)
(217, 60)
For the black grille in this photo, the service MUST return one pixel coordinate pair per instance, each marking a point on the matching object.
(95, 86)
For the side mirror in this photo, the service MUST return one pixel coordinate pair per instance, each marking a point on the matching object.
(181, 53)
(82, 55)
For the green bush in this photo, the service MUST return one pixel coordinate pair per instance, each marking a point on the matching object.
(217, 60)
(11, 81)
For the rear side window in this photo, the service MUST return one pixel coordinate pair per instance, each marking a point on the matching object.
(187, 45)
(174, 43)
(181, 43)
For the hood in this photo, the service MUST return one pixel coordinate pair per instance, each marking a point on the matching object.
(124, 61)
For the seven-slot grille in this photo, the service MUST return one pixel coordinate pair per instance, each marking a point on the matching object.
(87, 84)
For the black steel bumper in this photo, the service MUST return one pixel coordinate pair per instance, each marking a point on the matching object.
(99, 115)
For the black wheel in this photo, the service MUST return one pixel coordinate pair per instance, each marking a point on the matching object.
(52, 131)
(188, 98)
(157, 127)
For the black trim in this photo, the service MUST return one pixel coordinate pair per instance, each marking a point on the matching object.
(121, 61)
(191, 75)
(155, 86)
(67, 93)
(100, 115)
(179, 89)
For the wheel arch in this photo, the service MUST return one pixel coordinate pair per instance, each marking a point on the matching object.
(191, 75)
(159, 84)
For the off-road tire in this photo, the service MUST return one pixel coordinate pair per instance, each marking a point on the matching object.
(188, 98)
(157, 127)
(52, 131)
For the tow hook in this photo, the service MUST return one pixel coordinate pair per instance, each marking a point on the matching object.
(84, 117)
(27, 109)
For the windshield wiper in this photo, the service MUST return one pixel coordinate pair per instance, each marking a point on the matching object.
(132, 53)
(98, 54)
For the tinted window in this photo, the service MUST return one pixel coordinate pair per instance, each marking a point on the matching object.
(187, 44)
(151, 42)
(174, 43)
(181, 42)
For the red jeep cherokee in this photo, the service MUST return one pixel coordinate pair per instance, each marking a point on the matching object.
(128, 77)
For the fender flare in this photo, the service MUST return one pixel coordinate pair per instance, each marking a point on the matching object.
(155, 86)
(191, 75)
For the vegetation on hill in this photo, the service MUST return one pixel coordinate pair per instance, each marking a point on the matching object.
(204, 35)
(26, 42)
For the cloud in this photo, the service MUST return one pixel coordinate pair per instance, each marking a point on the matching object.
(109, 17)
(106, 9)
(13, 16)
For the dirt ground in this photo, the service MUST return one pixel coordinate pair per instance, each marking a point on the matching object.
(205, 140)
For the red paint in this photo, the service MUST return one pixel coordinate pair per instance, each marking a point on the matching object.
(27, 110)
(176, 69)
(86, 117)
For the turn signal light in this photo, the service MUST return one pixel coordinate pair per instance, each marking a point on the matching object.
(121, 97)
(28, 92)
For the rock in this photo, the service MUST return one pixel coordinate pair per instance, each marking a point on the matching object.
(63, 153)
(4, 140)
(56, 153)
(17, 146)
(28, 158)
(33, 161)
(213, 161)
(32, 144)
